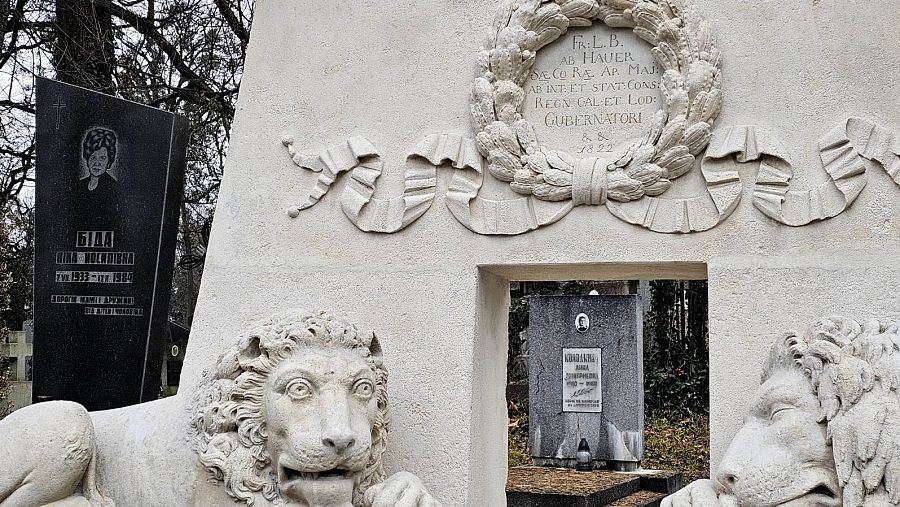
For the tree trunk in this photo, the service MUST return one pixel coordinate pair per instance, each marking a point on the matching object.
(84, 53)
(4, 17)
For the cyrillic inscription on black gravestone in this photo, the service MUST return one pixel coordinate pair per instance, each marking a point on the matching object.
(110, 175)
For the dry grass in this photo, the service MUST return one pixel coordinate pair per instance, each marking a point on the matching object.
(518, 434)
(679, 445)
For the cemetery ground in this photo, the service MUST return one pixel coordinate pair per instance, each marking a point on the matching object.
(676, 371)
(671, 441)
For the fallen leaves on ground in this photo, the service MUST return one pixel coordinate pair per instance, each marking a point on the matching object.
(677, 444)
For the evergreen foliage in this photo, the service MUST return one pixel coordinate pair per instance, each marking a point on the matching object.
(676, 349)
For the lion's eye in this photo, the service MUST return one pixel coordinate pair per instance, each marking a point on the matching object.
(298, 389)
(363, 389)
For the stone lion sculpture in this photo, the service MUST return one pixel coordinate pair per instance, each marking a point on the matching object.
(823, 428)
(295, 414)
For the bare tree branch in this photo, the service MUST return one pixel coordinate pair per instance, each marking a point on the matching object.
(185, 56)
(15, 22)
(147, 28)
(236, 26)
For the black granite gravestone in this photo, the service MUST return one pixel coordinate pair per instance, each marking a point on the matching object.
(586, 379)
(110, 175)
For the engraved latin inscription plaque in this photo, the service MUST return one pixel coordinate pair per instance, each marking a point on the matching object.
(592, 90)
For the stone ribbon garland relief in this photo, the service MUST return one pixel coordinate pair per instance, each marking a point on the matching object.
(552, 182)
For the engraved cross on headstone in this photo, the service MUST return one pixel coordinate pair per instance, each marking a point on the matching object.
(59, 105)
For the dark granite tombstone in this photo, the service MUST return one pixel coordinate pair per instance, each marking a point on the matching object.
(586, 379)
(110, 176)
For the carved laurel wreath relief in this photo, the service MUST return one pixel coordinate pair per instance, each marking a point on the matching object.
(632, 182)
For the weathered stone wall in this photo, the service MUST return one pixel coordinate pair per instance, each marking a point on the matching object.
(436, 294)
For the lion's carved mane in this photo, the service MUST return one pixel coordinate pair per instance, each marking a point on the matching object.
(227, 413)
(855, 372)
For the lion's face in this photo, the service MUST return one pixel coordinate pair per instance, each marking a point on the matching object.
(781, 457)
(320, 407)
(295, 412)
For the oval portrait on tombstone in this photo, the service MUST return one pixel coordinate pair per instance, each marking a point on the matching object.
(582, 323)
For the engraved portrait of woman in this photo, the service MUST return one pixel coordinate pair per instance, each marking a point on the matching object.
(98, 150)
(97, 189)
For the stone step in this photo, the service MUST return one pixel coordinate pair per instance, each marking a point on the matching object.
(640, 499)
(661, 481)
(562, 487)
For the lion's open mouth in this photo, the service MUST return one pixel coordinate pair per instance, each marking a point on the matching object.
(334, 474)
(321, 487)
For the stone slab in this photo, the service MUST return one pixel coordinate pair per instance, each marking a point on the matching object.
(615, 334)
(557, 487)
(550, 487)
(640, 499)
(661, 482)
(104, 244)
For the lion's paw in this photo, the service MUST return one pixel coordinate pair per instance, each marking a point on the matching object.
(402, 489)
(702, 493)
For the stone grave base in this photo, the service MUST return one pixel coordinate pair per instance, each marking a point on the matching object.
(617, 466)
(552, 487)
